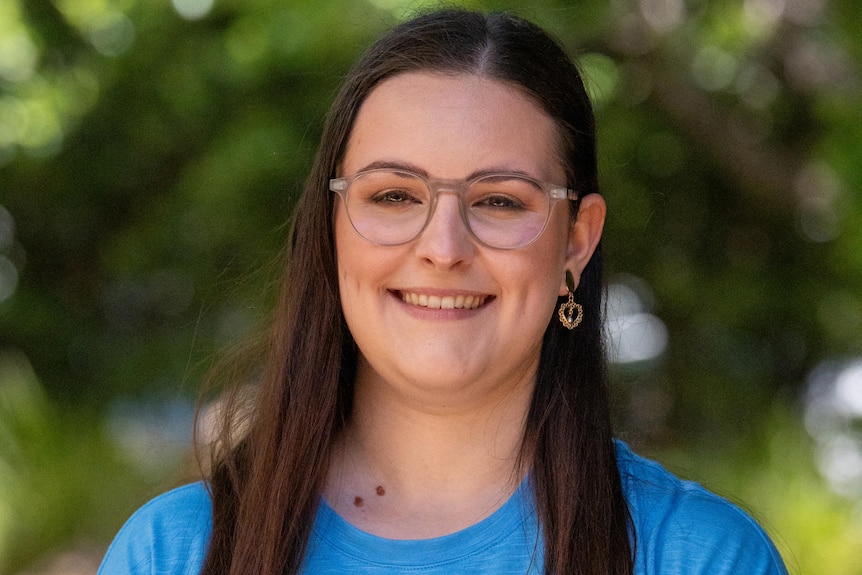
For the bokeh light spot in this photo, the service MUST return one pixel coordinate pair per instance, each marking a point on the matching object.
(18, 56)
(634, 334)
(8, 278)
(114, 36)
(833, 411)
(713, 68)
(601, 77)
(193, 9)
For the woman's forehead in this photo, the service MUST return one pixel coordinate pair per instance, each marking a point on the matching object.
(452, 125)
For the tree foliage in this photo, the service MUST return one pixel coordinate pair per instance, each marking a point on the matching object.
(150, 153)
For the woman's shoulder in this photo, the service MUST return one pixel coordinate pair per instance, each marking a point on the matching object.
(167, 536)
(679, 522)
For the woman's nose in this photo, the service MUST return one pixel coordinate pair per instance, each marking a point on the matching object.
(445, 242)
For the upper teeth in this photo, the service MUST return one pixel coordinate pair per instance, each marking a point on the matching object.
(443, 302)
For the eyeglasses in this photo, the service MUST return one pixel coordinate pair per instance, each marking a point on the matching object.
(391, 207)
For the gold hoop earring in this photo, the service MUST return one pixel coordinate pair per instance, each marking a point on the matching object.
(567, 310)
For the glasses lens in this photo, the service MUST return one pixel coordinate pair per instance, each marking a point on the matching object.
(388, 207)
(506, 211)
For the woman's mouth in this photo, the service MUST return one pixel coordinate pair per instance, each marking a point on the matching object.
(459, 301)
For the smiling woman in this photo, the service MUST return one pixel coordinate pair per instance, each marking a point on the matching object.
(431, 400)
(454, 127)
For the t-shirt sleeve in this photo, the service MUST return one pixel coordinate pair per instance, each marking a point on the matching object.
(683, 529)
(167, 536)
(701, 534)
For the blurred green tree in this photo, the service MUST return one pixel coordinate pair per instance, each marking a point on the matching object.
(150, 153)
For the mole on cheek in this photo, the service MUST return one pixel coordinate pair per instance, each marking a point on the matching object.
(380, 490)
(358, 502)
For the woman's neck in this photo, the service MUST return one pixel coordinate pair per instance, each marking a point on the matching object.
(408, 471)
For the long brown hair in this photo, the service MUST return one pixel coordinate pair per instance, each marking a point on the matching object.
(265, 482)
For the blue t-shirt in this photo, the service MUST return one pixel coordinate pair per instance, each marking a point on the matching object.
(681, 530)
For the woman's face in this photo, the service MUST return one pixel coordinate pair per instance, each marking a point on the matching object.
(451, 127)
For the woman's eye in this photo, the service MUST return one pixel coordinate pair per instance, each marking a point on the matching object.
(394, 196)
(499, 203)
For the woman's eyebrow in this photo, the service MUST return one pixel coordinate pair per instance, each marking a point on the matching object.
(394, 165)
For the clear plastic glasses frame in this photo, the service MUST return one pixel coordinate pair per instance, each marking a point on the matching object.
(501, 210)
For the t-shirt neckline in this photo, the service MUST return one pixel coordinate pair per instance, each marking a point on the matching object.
(331, 529)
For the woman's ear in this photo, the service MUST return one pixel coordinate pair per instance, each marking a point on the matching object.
(584, 237)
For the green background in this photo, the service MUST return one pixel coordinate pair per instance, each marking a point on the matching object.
(150, 153)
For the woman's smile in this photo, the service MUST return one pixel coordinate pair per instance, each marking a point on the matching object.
(435, 301)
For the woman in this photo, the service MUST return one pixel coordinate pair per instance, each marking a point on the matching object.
(435, 396)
